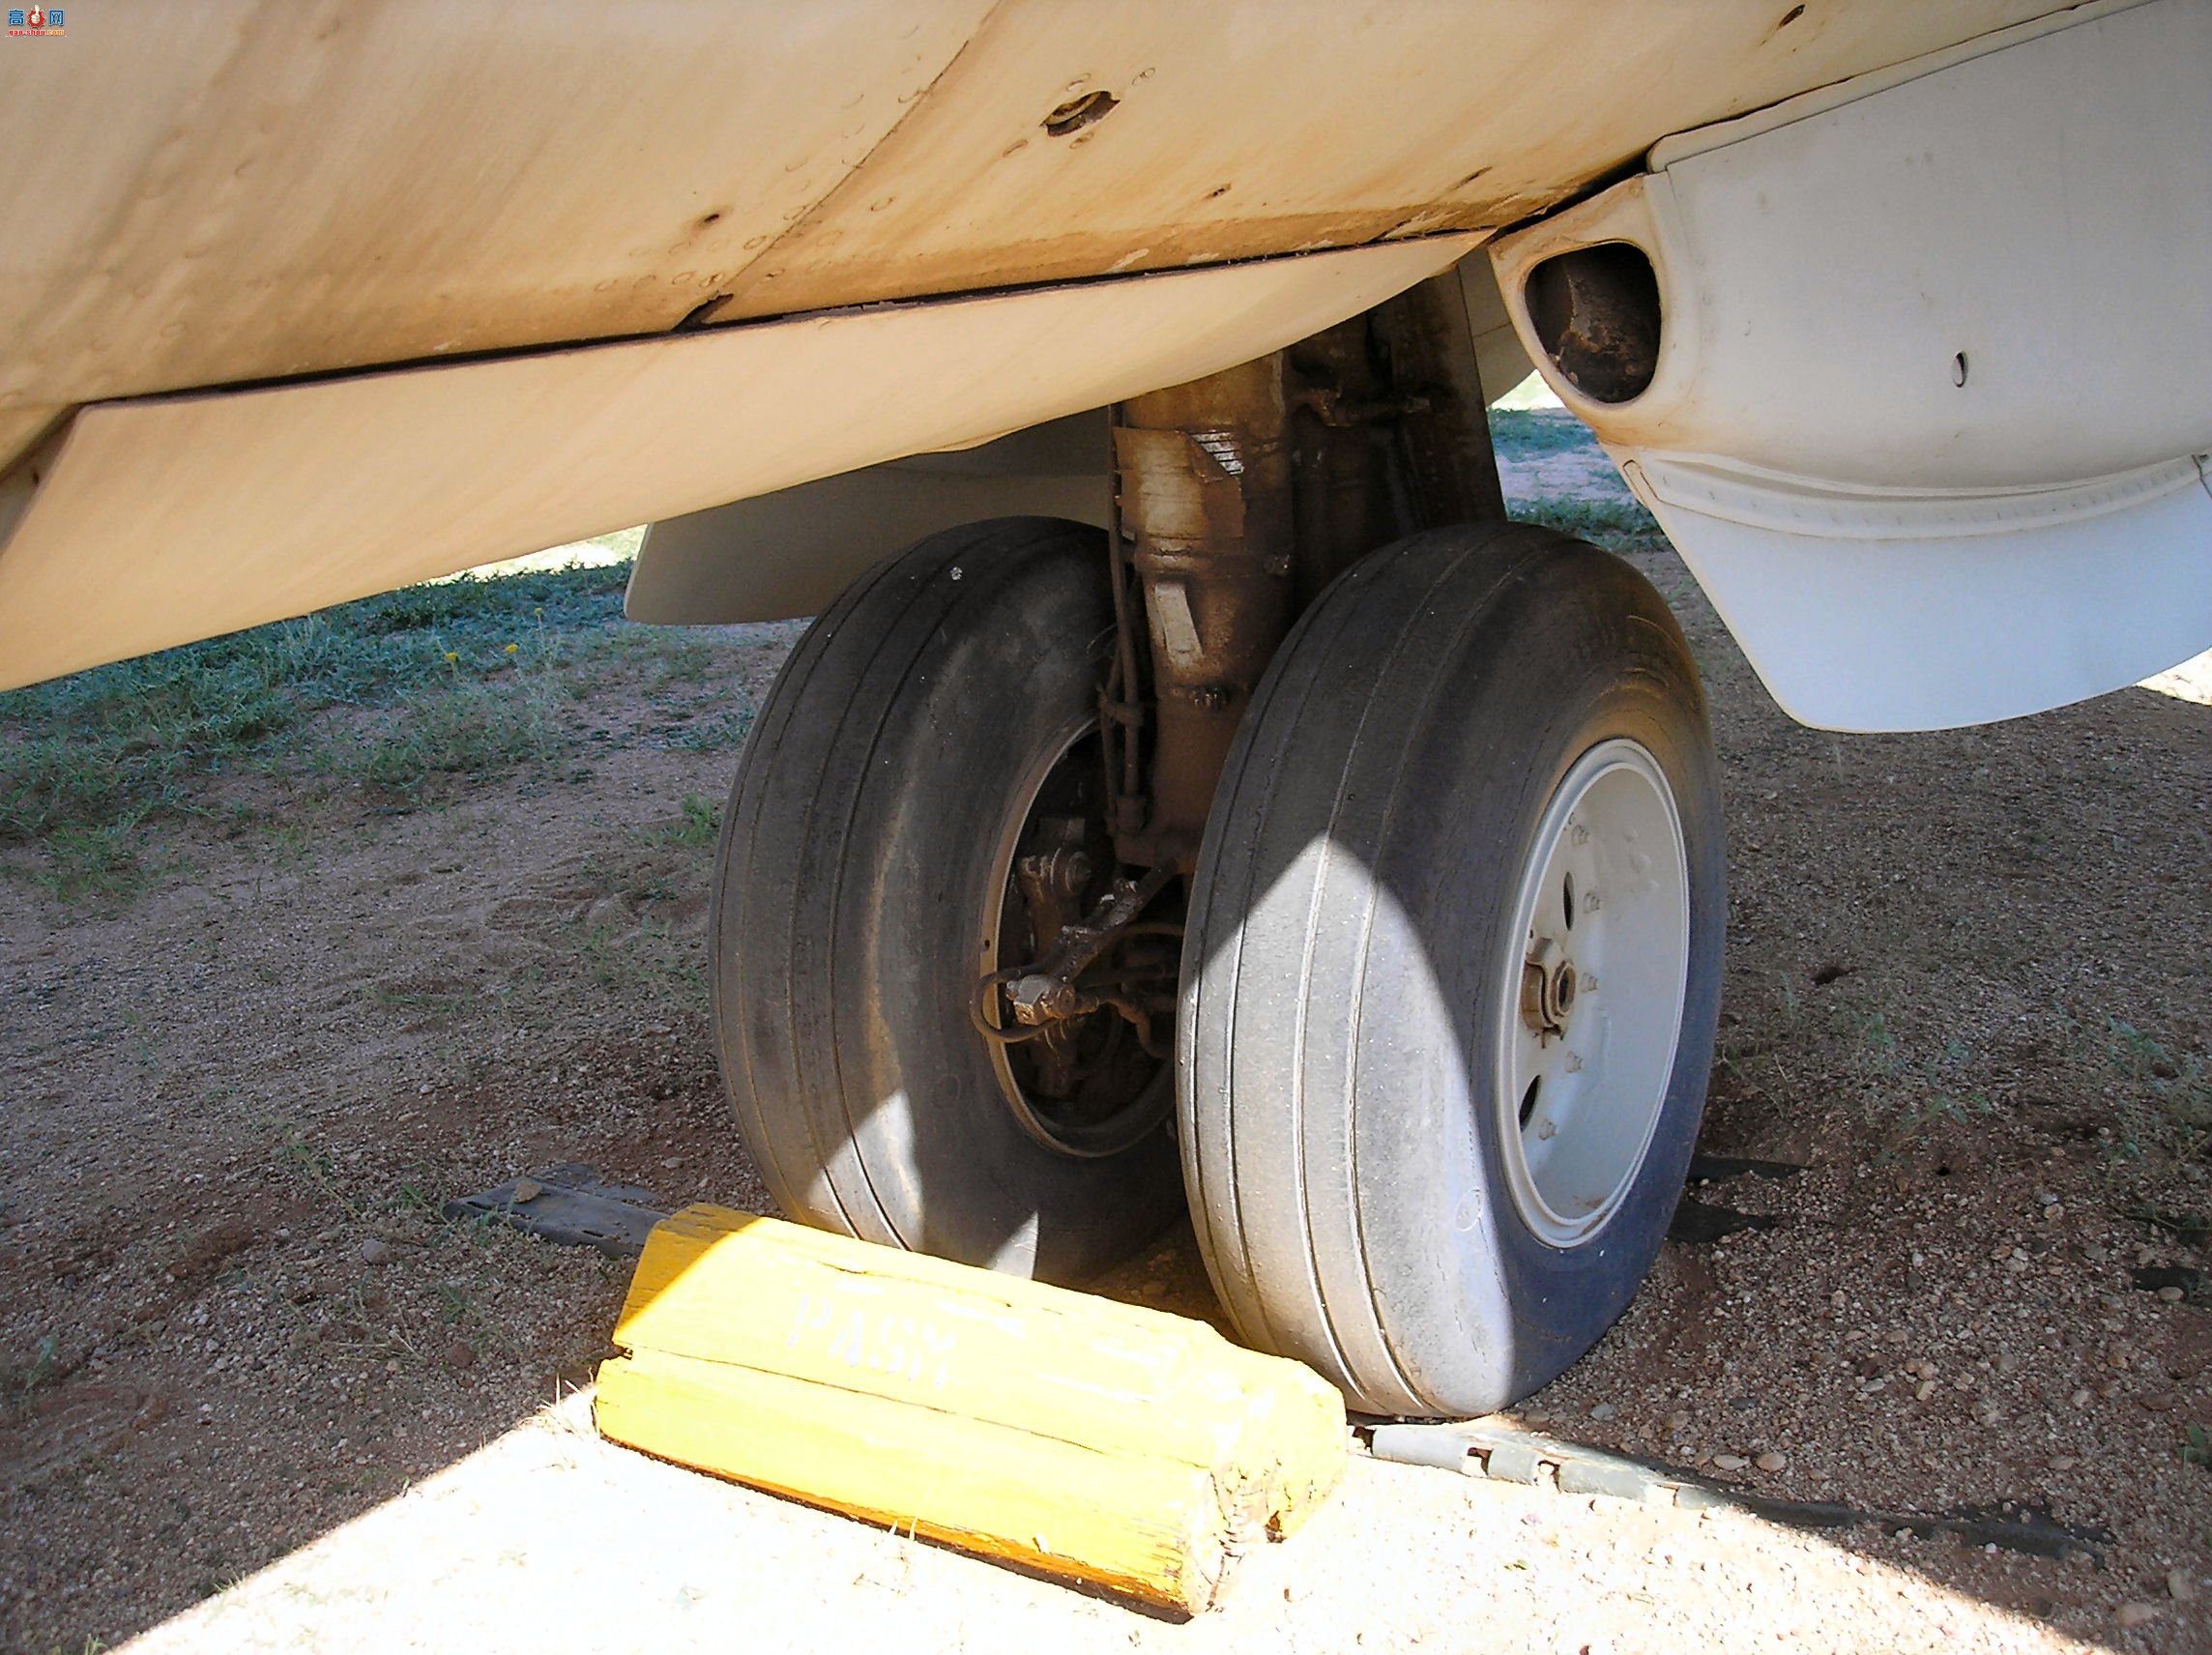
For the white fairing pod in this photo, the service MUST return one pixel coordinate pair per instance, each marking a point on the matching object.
(1923, 390)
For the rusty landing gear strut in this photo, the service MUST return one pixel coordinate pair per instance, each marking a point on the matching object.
(1237, 498)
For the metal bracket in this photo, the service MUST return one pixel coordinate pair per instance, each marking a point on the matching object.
(1047, 993)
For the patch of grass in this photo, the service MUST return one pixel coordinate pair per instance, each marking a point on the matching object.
(1915, 1119)
(685, 660)
(1609, 523)
(1878, 1046)
(2167, 1101)
(18, 1383)
(700, 825)
(286, 843)
(312, 1165)
(1907, 1099)
(1519, 431)
(454, 677)
(1903, 1094)
(724, 731)
(651, 959)
(99, 861)
(470, 729)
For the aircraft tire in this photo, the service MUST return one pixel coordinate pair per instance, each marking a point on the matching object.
(1399, 1171)
(940, 703)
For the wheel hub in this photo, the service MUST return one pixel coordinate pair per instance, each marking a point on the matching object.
(1547, 989)
(1077, 1031)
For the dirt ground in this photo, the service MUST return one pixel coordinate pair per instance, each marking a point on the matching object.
(260, 1395)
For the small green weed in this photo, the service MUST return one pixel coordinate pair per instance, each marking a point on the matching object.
(2194, 1229)
(312, 1167)
(286, 843)
(1878, 1046)
(700, 825)
(17, 1384)
(460, 1311)
(2167, 1100)
(596, 947)
(1913, 1119)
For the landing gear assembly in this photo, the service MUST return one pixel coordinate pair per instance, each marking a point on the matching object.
(1316, 847)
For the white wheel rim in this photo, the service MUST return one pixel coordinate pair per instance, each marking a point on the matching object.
(1603, 909)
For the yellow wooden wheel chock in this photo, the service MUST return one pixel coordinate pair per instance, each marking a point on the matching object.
(1127, 1447)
